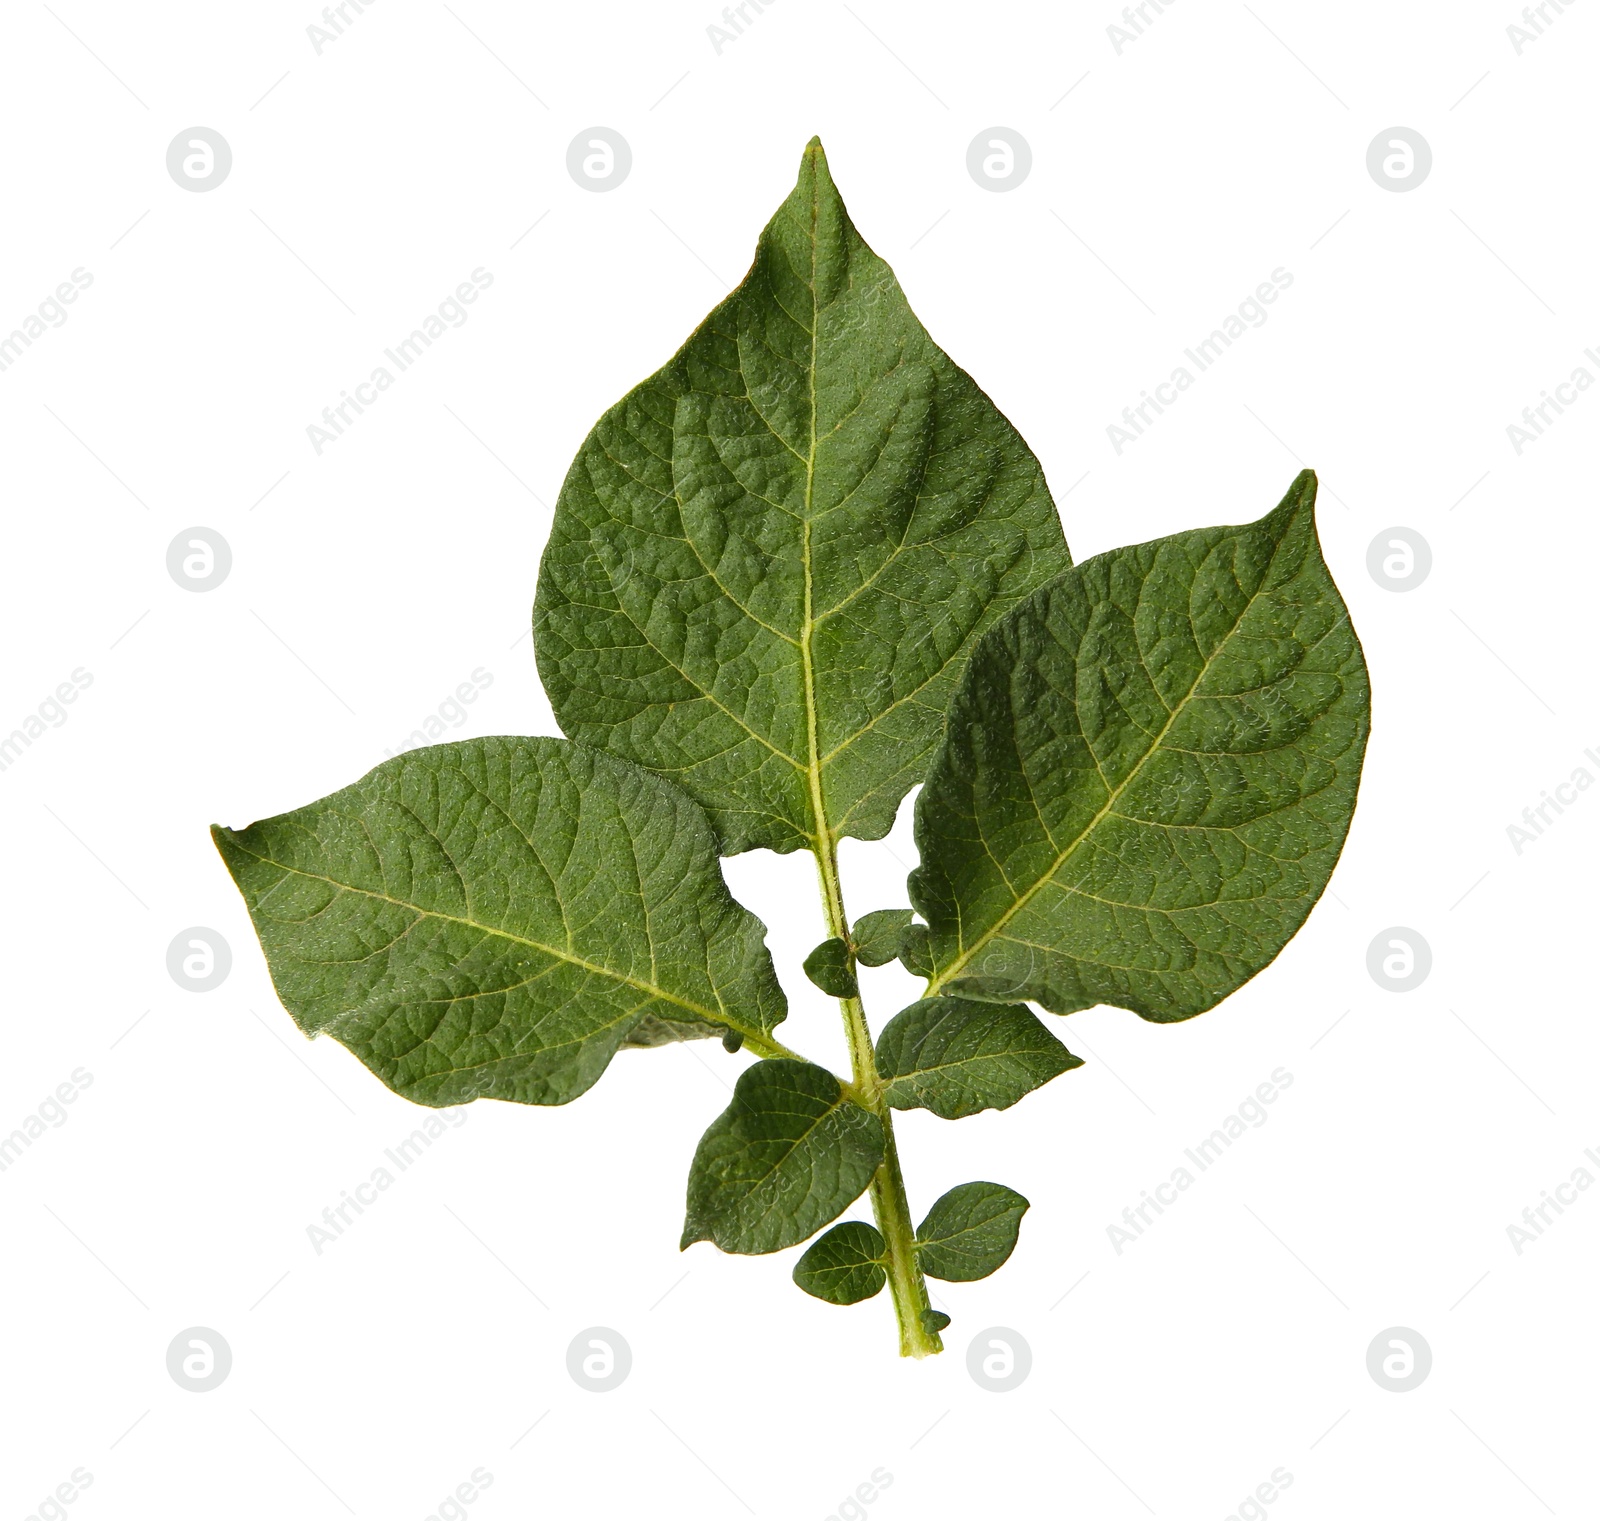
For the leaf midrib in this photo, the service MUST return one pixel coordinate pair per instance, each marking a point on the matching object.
(715, 1016)
(1011, 1054)
(948, 1241)
(961, 1243)
(813, 767)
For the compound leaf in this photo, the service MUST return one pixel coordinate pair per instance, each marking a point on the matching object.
(1147, 776)
(789, 1154)
(844, 1266)
(770, 560)
(829, 968)
(495, 918)
(877, 935)
(957, 1057)
(970, 1231)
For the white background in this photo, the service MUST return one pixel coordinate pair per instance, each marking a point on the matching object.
(1168, 181)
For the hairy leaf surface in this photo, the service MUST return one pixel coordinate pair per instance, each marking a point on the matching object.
(957, 1057)
(970, 1231)
(771, 559)
(1148, 774)
(789, 1154)
(845, 1265)
(494, 918)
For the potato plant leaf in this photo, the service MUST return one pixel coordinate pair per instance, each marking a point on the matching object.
(829, 968)
(495, 918)
(804, 567)
(845, 1265)
(770, 560)
(957, 1057)
(1147, 775)
(970, 1231)
(877, 935)
(789, 1154)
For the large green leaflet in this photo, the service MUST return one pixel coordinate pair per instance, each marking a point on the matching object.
(1148, 774)
(494, 918)
(789, 1154)
(770, 560)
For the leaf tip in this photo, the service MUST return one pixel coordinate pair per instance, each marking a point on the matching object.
(1302, 491)
(1299, 504)
(225, 840)
(816, 178)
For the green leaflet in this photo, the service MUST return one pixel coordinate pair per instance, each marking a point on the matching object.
(877, 935)
(916, 951)
(957, 1057)
(789, 1154)
(970, 1231)
(770, 560)
(1148, 774)
(829, 968)
(494, 918)
(844, 1266)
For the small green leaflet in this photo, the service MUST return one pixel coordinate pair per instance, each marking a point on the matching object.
(957, 1057)
(495, 918)
(844, 1266)
(770, 560)
(789, 1154)
(1148, 774)
(877, 935)
(829, 968)
(916, 951)
(970, 1232)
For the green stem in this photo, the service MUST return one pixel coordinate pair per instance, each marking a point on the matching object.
(765, 1046)
(907, 1287)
